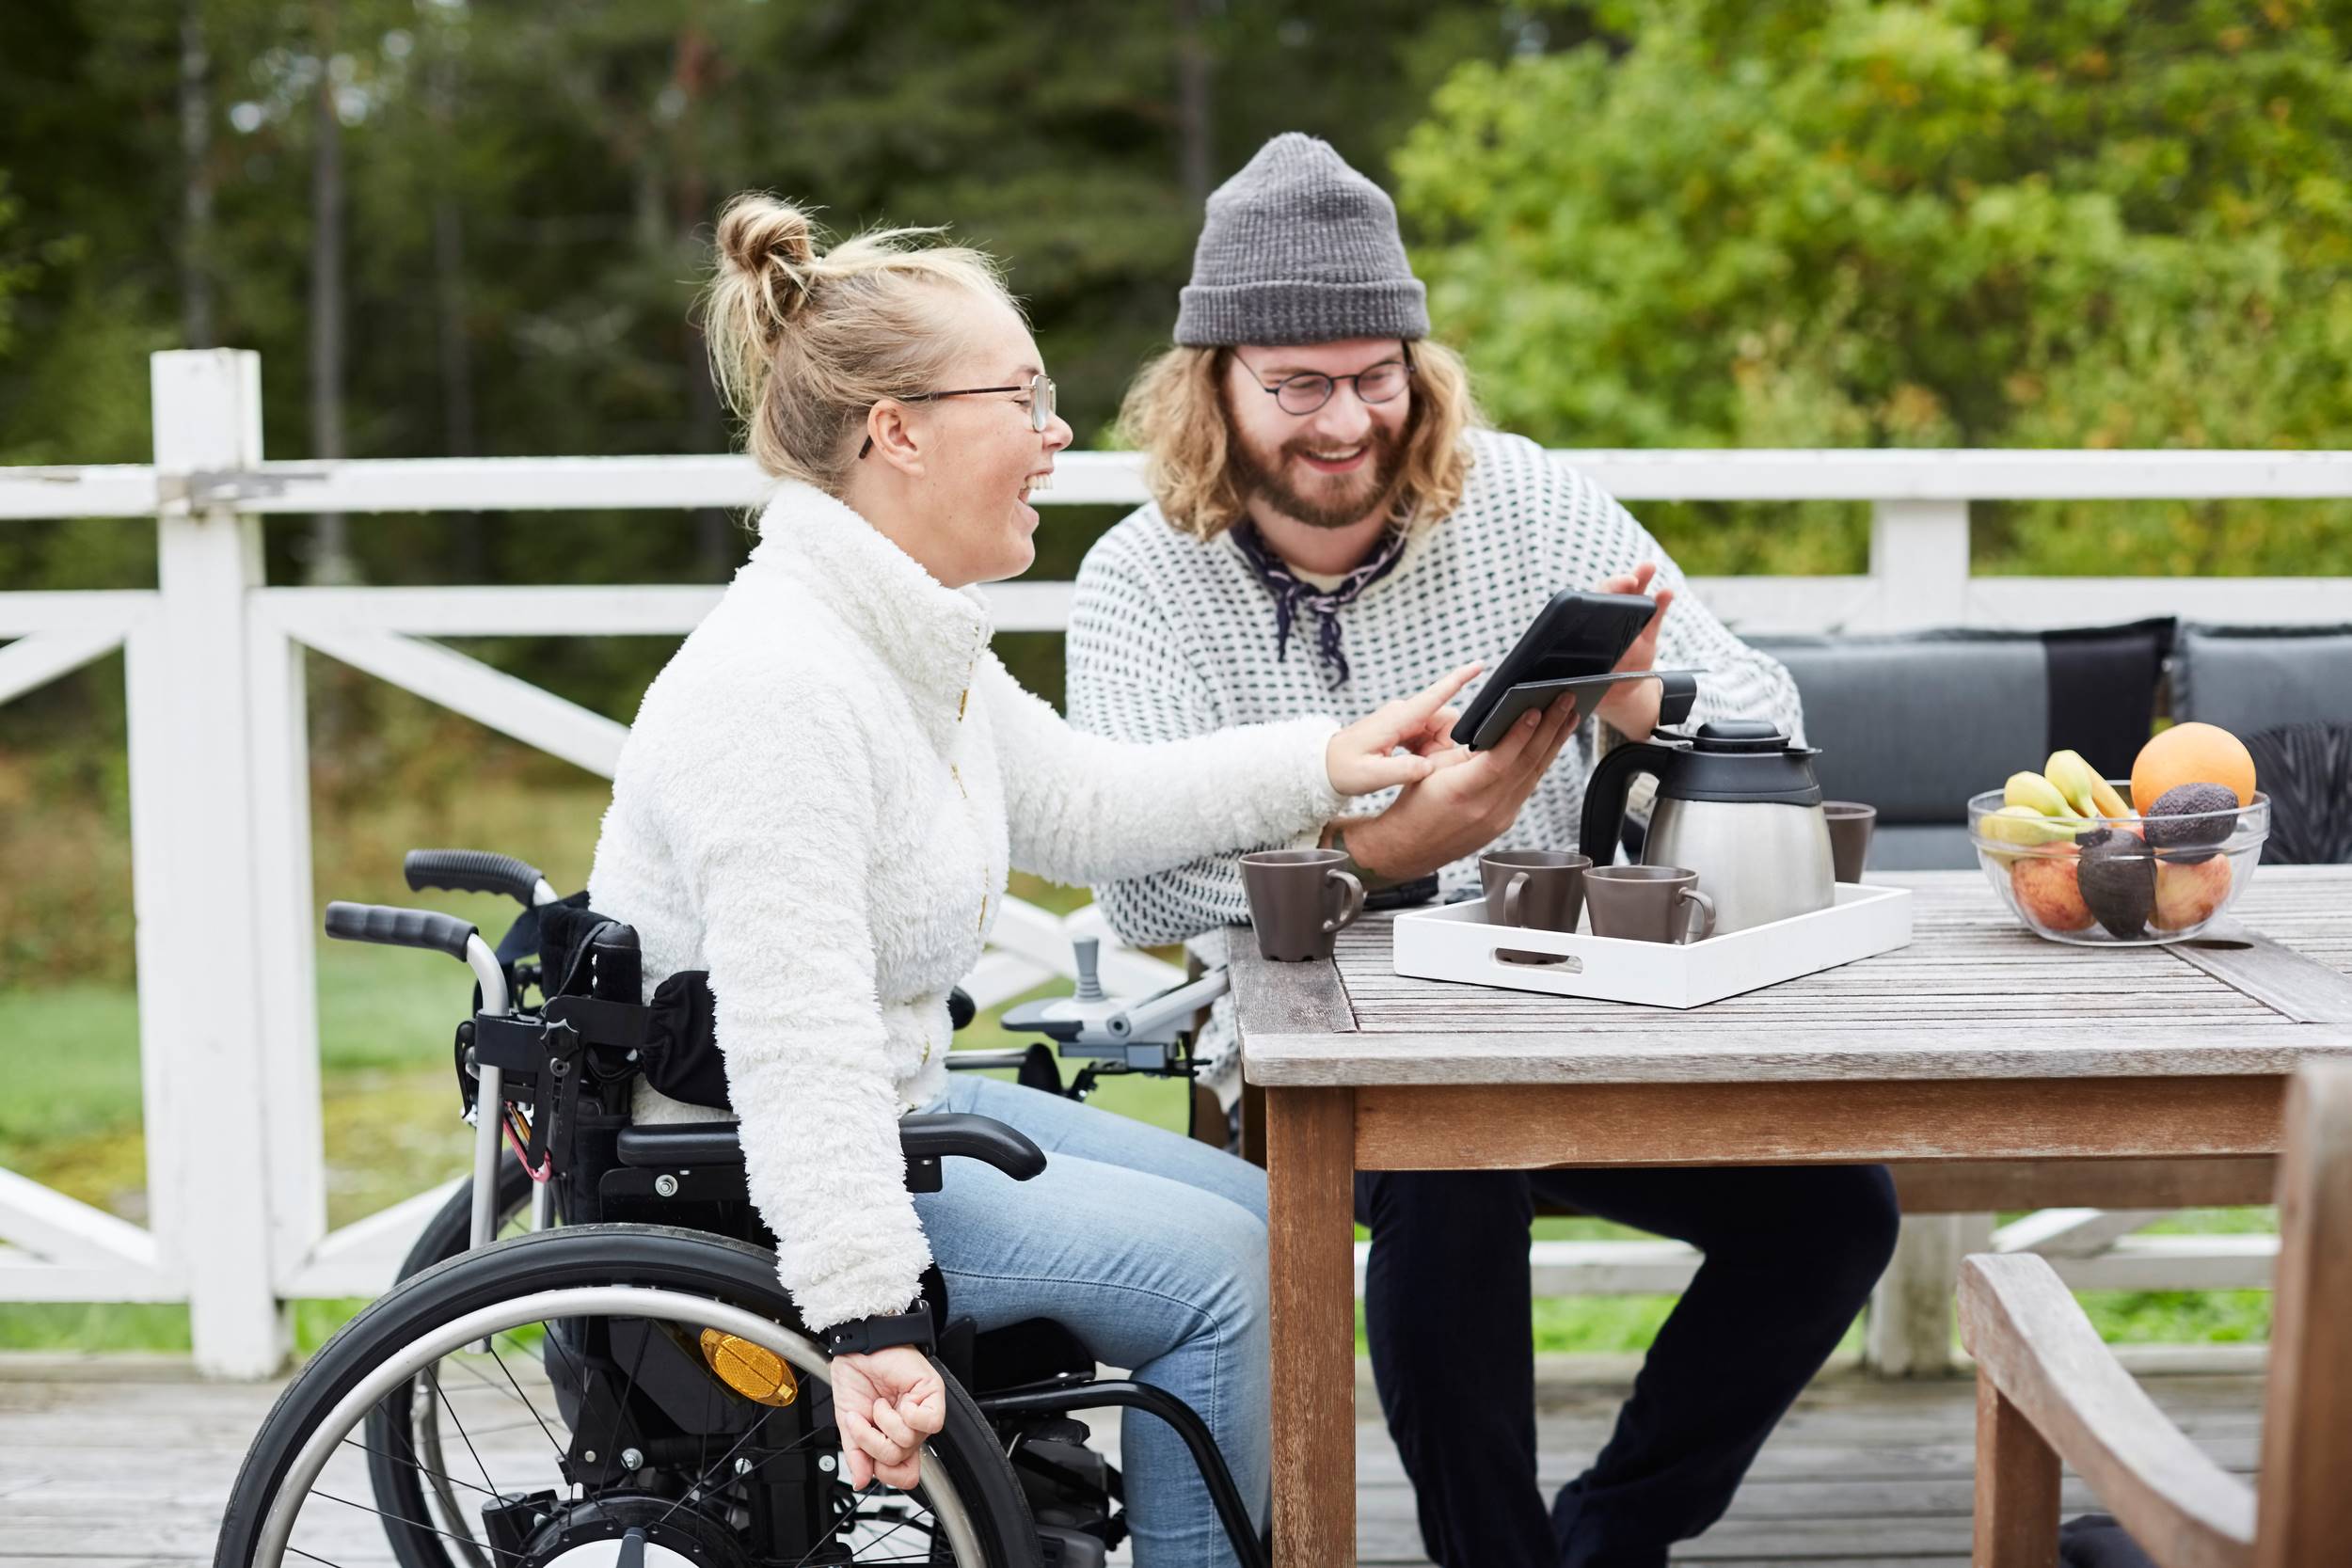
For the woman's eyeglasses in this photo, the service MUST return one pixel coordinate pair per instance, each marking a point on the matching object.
(1038, 386)
(1310, 391)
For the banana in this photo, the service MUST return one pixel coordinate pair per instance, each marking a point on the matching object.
(2034, 791)
(2088, 795)
(2076, 778)
(2023, 824)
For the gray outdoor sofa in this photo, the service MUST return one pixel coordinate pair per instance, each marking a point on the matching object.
(1917, 722)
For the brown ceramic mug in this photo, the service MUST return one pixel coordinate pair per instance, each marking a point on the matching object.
(1850, 825)
(1292, 893)
(1648, 903)
(1538, 888)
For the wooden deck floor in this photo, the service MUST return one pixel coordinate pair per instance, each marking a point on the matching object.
(126, 1461)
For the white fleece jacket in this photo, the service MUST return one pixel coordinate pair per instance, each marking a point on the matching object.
(819, 804)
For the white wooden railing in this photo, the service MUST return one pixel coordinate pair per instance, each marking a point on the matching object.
(221, 784)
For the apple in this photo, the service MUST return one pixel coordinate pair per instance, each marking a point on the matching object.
(2047, 890)
(2189, 893)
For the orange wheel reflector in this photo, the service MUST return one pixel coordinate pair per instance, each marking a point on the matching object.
(754, 1371)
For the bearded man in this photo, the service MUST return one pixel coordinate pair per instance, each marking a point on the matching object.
(1331, 526)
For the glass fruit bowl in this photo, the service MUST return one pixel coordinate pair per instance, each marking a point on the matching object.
(2131, 882)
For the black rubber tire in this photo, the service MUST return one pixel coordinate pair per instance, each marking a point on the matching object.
(690, 1262)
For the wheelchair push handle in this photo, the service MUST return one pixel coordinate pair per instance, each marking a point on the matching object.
(476, 871)
(391, 927)
(431, 930)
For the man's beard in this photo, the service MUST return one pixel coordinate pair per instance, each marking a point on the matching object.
(1273, 486)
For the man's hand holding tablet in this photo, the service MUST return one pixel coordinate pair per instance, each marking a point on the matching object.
(1632, 708)
(1472, 795)
(1592, 646)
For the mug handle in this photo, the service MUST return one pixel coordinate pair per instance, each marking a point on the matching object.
(1351, 903)
(1705, 907)
(1511, 891)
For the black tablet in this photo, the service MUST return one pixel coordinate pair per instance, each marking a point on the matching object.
(1573, 645)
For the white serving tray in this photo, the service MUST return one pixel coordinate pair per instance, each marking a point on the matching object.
(1454, 943)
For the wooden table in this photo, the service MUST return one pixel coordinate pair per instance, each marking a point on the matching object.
(1977, 1043)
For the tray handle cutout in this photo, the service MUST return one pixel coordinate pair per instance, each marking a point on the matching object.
(1519, 957)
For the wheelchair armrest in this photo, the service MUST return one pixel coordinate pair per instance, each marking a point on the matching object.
(925, 1138)
(946, 1133)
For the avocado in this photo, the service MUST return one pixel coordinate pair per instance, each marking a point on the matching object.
(2118, 878)
(2192, 817)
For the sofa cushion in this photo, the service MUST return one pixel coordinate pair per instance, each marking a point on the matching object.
(2306, 769)
(1920, 846)
(1916, 722)
(2248, 679)
(2103, 690)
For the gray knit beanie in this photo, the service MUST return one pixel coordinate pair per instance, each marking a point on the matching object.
(1299, 249)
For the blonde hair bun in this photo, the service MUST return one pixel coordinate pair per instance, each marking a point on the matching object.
(768, 252)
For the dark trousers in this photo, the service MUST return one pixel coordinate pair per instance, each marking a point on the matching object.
(1792, 1253)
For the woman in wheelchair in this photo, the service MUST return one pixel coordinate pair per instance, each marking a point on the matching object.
(819, 804)
(811, 829)
(812, 824)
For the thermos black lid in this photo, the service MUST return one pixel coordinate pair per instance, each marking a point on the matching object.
(1735, 736)
(1740, 759)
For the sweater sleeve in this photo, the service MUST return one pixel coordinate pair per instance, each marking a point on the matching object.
(1131, 682)
(771, 823)
(1085, 808)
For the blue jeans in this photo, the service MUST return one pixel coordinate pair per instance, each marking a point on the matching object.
(1150, 1247)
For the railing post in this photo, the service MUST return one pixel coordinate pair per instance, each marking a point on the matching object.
(197, 886)
(286, 936)
(1919, 558)
(1909, 1330)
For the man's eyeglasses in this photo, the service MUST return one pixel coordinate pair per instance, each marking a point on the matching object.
(1310, 391)
(1038, 386)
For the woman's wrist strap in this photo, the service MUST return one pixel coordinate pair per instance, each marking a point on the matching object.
(865, 1335)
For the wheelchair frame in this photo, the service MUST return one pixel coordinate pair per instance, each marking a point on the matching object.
(583, 1048)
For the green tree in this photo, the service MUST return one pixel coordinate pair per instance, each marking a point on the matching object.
(2050, 223)
(15, 272)
(526, 194)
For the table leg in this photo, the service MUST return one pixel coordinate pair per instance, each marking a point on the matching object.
(1310, 1167)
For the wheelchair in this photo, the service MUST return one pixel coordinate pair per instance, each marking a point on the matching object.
(588, 1358)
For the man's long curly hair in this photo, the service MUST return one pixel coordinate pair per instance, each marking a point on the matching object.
(1176, 414)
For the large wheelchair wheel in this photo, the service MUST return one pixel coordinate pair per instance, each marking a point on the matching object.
(610, 1394)
(410, 1472)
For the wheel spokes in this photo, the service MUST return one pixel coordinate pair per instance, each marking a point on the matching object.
(713, 1466)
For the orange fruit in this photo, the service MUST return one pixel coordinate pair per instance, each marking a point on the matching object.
(2192, 754)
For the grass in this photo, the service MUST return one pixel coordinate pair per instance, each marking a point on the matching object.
(72, 1062)
(121, 1326)
(70, 1118)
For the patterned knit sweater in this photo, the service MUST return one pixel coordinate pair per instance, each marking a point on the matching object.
(1171, 637)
